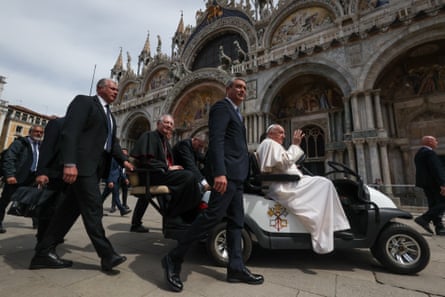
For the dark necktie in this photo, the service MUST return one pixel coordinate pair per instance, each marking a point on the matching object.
(239, 114)
(35, 156)
(110, 130)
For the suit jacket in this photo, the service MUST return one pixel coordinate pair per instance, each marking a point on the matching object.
(228, 152)
(149, 151)
(83, 137)
(429, 170)
(18, 160)
(49, 154)
(187, 157)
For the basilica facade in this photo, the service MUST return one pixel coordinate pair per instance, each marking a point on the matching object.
(364, 79)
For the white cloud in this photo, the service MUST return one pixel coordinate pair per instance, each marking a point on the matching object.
(48, 48)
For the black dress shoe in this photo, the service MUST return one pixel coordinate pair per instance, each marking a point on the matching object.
(424, 224)
(49, 260)
(244, 276)
(172, 271)
(440, 230)
(109, 263)
(345, 235)
(138, 229)
(125, 211)
(2, 230)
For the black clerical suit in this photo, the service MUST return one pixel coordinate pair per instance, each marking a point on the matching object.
(187, 157)
(82, 143)
(152, 151)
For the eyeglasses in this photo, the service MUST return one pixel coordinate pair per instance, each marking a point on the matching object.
(37, 131)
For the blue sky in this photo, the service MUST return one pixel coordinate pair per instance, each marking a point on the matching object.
(49, 48)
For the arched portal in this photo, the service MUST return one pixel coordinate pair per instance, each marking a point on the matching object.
(313, 103)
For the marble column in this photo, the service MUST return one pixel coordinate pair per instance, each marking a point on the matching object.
(378, 109)
(347, 115)
(351, 155)
(360, 153)
(355, 113)
(374, 160)
(386, 176)
(369, 111)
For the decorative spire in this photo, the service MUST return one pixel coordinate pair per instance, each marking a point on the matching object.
(119, 64)
(180, 28)
(145, 55)
(146, 50)
(118, 68)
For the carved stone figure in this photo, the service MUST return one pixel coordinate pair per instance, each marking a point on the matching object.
(225, 61)
(241, 54)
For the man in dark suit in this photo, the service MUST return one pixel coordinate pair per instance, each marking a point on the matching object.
(229, 163)
(49, 173)
(19, 166)
(153, 151)
(87, 144)
(189, 153)
(430, 176)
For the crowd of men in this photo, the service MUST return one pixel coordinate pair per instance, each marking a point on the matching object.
(81, 149)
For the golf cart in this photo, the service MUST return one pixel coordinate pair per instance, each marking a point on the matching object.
(371, 214)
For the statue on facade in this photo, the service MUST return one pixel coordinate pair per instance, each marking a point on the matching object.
(178, 70)
(129, 63)
(225, 60)
(241, 54)
(159, 47)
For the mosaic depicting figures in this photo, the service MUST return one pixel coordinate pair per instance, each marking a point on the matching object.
(416, 81)
(195, 106)
(368, 4)
(129, 92)
(311, 98)
(301, 22)
(159, 79)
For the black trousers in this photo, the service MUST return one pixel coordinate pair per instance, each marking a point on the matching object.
(82, 198)
(185, 194)
(436, 206)
(47, 211)
(229, 205)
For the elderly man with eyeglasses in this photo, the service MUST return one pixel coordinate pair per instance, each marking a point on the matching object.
(153, 151)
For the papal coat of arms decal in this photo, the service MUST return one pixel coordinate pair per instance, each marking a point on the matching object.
(277, 215)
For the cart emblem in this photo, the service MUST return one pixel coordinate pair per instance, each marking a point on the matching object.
(277, 216)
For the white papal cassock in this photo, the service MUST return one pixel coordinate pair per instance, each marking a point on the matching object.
(313, 199)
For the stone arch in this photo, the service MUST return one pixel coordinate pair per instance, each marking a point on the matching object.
(323, 68)
(191, 107)
(289, 13)
(427, 120)
(393, 48)
(218, 27)
(203, 75)
(128, 89)
(314, 145)
(134, 124)
(158, 76)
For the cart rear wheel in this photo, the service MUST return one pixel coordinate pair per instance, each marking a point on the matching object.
(217, 244)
